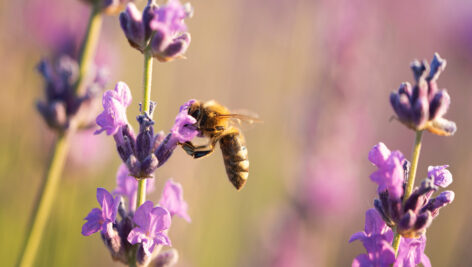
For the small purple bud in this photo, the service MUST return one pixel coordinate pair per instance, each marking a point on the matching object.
(132, 25)
(440, 175)
(178, 46)
(439, 105)
(144, 141)
(440, 201)
(423, 221)
(115, 246)
(158, 139)
(420, 112)
(125, 142)
(419, 69)
(148, 16)
(407, 221)
(437, 66)
(148, 166)
(401, 105)
(165, 149)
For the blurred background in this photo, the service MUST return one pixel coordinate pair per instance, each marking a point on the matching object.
(318, 73)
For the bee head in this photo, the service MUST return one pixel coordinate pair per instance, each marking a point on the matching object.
(195, 110)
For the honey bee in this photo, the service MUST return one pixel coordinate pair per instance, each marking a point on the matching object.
(218, 124)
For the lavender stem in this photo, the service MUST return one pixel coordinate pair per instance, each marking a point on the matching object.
(45, 199)
(411, 180)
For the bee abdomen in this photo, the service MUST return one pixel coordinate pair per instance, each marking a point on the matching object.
(233, 147)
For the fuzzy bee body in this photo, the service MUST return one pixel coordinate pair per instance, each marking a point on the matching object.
(215, 122)
(233, 148)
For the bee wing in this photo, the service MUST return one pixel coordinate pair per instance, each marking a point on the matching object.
(241, 121)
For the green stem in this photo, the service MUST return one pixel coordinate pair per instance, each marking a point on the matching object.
(411, 181)
(49, 187)
(89, 45)
(147, 79)
(42, 208)
(414, 164)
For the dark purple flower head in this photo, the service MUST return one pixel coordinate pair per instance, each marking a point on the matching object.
(152, 223)
(62, 106)
(411, 253)
(423, 106)
(440, 175)
(115, 103)
(127, 186)
(390, 173)
(102, 219)
(158, 28)
(172, 199)
(376, 238)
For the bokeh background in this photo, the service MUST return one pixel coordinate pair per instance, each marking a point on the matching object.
(318, 72)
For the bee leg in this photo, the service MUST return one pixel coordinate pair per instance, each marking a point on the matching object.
(198, 151)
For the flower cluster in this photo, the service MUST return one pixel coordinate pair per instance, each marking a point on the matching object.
(401, 209)
(146, 226)
(413, 215)
(161, 29)
(147, 151)
(423, 106)
(62, 107)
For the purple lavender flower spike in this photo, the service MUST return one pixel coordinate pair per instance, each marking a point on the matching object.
(423, 106)
(114, 109)
(411, 253)
(152, 222)
(440, 175)
(377, 239)
(390, 173)
(127, 186)
(102, 219)
(172, 199)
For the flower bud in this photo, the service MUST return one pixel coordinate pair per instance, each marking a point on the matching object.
(167, 258)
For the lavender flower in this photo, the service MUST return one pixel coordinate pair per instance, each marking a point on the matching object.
(376, 238)
(160, 29)
(172, 200)
(63, 108)
(423, 106)
(152, 222)
(145, 152)
(411, 253)
(114, 104)
(389, 175)
(413, 216)
(440, 175)
(127, 186)
(102, 219)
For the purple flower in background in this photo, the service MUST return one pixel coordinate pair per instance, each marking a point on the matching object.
(102, 219)
(172, 199)
(411, 253)
(61, 102)
(390, 173)
(114, 104)
(376, 238)
(440, 175)
(424, 105)
(152, 222)
(127, 186)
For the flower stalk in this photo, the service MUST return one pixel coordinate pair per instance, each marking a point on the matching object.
(89, 45)
(58, 157)
(45, 199)
(411, 181)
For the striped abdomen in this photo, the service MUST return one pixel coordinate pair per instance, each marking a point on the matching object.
(233, 147)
